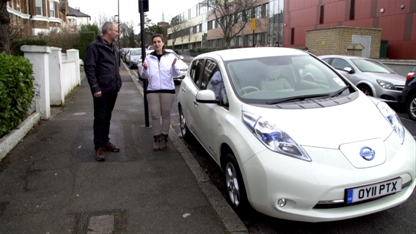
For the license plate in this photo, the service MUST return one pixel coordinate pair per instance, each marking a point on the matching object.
(373, 191)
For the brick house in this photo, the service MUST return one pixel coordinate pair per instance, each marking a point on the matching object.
(34, 17)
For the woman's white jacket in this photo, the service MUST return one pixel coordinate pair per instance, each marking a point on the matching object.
(160, 73)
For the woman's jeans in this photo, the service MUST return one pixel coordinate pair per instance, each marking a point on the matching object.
(160, 105)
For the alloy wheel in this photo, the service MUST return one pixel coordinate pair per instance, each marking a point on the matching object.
(231, 180)
(182, 123)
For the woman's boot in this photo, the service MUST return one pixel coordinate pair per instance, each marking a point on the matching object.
(156, 143)
(163, 141)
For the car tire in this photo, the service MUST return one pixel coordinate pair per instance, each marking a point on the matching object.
(365, 89)
(236, 191)
(182, 125)
(411, 107)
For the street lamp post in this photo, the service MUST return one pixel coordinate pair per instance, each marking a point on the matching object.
(118, 25)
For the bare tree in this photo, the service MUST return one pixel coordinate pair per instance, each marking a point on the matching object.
(189, 32)
(127, 34)
(102, 18)
(231, 15)
(175, 27)
(4, 27)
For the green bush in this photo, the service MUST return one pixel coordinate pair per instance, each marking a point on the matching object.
(16, 44)
(16, 91)
(85, 38)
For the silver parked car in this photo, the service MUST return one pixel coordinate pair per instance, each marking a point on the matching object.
(133, 57)
(370, 76)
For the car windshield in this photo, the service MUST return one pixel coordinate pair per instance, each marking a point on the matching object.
(136, 52)
(268, 80)
(366, 65)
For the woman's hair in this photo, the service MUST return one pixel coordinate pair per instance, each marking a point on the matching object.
(161, 37)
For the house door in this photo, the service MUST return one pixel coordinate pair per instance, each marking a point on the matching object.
(365, 41)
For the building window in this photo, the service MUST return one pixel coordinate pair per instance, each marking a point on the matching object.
(292, 36)
(321, 16)
(257, 12)
(352, 10)
(52, 9)
(259, 39)
(38, 7)
(266, 10)
(239, 16)
(240, 41)
(247, 15)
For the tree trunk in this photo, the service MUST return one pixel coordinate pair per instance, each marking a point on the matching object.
(4, 27)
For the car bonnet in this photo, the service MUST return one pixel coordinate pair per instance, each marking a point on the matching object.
(181, 64)
(392, 78)
(329, 127)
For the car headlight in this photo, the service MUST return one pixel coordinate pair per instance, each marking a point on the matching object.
(272, 137)
(386, 85)
(134, 60)
(393, 119)
(183, 69)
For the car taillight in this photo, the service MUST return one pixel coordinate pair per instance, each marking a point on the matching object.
(410, 76)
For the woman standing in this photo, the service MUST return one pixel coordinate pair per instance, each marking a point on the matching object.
(159, 68)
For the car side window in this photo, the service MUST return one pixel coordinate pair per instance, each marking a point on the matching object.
(195, 71)
(327, 60)
(209, 70)
(212, 80)
(340, 63)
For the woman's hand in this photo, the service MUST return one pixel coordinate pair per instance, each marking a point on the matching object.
(144, 64)
(174, 62)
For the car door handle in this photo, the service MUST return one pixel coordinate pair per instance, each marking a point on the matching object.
(196, 103)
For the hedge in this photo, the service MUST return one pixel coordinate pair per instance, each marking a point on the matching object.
(16, 91)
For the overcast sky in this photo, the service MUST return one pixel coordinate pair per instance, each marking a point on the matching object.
(129, 9)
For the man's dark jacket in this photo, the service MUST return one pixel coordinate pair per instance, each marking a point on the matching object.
(101, 66)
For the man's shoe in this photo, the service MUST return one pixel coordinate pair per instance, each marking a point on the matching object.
(110, 147)
(99, 154)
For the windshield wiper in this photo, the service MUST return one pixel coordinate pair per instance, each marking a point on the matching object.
(338, 92)
(300, 98)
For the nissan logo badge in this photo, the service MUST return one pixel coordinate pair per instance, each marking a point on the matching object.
(367, 153)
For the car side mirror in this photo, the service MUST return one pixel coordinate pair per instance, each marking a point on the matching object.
(349, 70)
(181, 57)
(206, 96)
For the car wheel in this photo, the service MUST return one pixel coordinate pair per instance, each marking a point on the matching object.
(234, 184)
(182, 124)
(365, 89)
(411, 107)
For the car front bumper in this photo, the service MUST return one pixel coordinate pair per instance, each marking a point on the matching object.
(270, 177)
(391, 96)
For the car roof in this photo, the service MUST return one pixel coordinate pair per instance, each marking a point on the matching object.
(254, 52)
(342, 56)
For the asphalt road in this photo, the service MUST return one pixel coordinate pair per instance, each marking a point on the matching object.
(399, 219)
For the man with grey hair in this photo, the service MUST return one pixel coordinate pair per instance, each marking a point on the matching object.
(102, 71)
